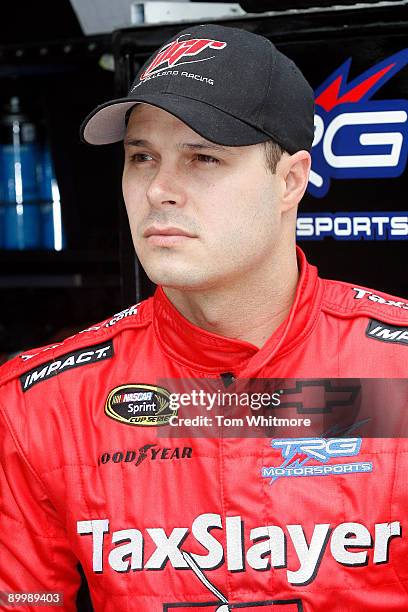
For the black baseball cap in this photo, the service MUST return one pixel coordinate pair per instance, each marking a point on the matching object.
(230, 86)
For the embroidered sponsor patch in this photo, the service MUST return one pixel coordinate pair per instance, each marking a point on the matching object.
(68, 361)
(181, 51)
(151, 452)
(123, 314)
(364, 293)
(319, 451)
(139, 404)
(260, 548)
(387, 333)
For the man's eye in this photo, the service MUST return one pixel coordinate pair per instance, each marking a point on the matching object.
(140, 157)
(207, 159)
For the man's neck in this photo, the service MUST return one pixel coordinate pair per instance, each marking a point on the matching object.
(250, 312)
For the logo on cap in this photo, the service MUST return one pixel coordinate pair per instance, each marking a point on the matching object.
(172, 54)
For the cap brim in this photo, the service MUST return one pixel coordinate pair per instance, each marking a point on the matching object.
(106, 124)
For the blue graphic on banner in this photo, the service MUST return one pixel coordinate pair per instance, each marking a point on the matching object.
(356, 137)
(379, 225)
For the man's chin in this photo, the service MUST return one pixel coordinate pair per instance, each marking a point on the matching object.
(177, 279)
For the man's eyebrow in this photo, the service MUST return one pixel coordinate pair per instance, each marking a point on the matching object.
(136, 142)
(203, 144)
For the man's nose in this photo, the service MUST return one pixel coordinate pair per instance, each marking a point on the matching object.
(166, 187)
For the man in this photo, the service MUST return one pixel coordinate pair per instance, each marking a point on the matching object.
(217, 155)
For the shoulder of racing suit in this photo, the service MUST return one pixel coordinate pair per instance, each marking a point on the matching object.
(340, 299)
(348, 301)
(86, 346)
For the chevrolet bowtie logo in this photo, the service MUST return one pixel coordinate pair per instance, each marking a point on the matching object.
(320, 396)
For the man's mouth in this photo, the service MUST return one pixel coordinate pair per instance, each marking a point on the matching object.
(166, 236)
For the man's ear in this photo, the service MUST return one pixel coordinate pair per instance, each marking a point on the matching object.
(294, 170)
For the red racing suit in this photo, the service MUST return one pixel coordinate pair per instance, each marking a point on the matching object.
(162, 523)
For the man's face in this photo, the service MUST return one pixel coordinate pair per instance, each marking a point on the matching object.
(201, 215)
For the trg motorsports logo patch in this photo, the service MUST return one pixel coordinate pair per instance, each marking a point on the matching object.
(297, 452)
(139, 404)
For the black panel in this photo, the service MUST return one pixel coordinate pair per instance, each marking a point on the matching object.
(35, 21)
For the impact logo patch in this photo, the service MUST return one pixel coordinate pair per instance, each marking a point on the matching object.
(387, 333)
(68, 361)
(139, 404)
(296, 453)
